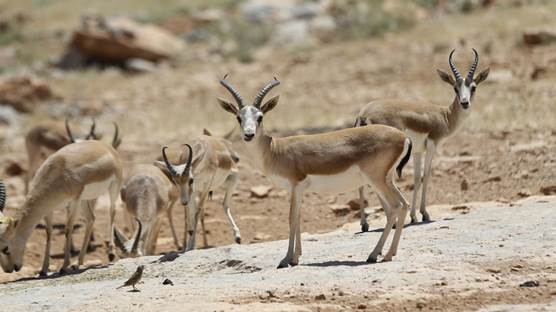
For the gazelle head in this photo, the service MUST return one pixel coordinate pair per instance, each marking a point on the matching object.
(182, 175)
(249, 117)
(116, 140)
(464, 87)
(11, 250)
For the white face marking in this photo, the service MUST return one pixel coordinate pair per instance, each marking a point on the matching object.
(249, 118)
(465, 93)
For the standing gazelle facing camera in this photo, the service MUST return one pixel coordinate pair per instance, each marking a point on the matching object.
(331, 162)
(426, 124)
(207, 165)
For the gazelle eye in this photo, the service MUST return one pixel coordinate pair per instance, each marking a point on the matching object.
(190, 181)
(6, 251)
(473, 88)
(260, 119)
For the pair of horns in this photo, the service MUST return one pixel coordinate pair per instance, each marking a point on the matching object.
(116, 141)
(472, 70)
(172, 168)
(89, 136)
(120, 240)
(2, 196)
(258, 99)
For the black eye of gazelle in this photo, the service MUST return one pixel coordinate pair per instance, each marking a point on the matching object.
(6, 251)
(259, 119)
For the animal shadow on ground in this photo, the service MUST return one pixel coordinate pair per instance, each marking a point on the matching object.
(58, 274)
(380, 230)
(134, 290)
(336, 263)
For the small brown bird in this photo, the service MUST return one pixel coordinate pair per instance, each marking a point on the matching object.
(135, 278)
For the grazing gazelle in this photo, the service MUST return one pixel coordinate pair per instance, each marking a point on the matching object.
(208, 165)
(77, 172)
(148, 194)
(46, 138)
(426, 124)
(330, 162)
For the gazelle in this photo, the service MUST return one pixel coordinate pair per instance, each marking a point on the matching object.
(426, 124)
(208, 165)
(46, 138)
(330, 162)
(148, 194)
(77, 172)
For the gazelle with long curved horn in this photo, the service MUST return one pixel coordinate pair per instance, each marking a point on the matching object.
(77, 172)
(428, 125)
(330, 162)
(205, 166)
(148, 194)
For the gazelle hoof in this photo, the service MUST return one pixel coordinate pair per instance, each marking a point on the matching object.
(372, 259)
(283, 264)
(43, 274)
(414, 220)
(65, 270)
(387, 258)
(426, 217)
(365, 228)
(111, 257)
(238, 240)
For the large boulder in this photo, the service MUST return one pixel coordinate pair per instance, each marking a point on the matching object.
(119, 40)
(23, 93)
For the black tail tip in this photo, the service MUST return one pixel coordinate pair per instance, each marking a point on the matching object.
(404, 160)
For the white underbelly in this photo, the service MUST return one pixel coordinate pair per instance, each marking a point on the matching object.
(346, 181)
(96, 189)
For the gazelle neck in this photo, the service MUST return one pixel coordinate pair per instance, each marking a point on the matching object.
(456, 115)
(260, 148)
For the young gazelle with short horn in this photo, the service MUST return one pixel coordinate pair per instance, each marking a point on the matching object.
(77, 172)
(330, 162)
(205, 167)
(426, 124)
(149, 195)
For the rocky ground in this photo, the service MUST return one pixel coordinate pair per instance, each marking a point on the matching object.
(486, 256)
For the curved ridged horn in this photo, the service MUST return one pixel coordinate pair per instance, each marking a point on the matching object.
(116, 141)
(119, 239)
(233, 91)
(68, 131)
(189, 160)
(264, 91)
(473, 68)
(2, 195)
(92, 134)
(136, 241)
(453, 67)
(169, 165)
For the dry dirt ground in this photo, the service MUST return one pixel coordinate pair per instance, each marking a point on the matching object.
(505, 263)
(505, 151)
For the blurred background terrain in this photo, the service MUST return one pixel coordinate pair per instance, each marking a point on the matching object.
(154, 68)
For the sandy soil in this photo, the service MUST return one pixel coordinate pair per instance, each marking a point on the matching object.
(441, 265)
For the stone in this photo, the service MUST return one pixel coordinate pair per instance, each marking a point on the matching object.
(260, 191)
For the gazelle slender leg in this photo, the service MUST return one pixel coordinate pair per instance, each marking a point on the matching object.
(186, 238)
(114, 193)
(362, 205)
(88, 207)
(416, 185)
(170, 215)
(400, 221)
(149, 246)
(72, 213)
(46, 260)
(296, 191)
(230, 184)
(390, 197)
(297, 253)
(201, 215)
(431, 148)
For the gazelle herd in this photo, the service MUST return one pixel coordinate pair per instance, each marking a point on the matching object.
(65, 171)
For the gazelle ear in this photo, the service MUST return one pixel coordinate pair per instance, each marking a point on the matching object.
(270, 104)
(482, 76)
(162, 166)
(227, 106)
(446, 77)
